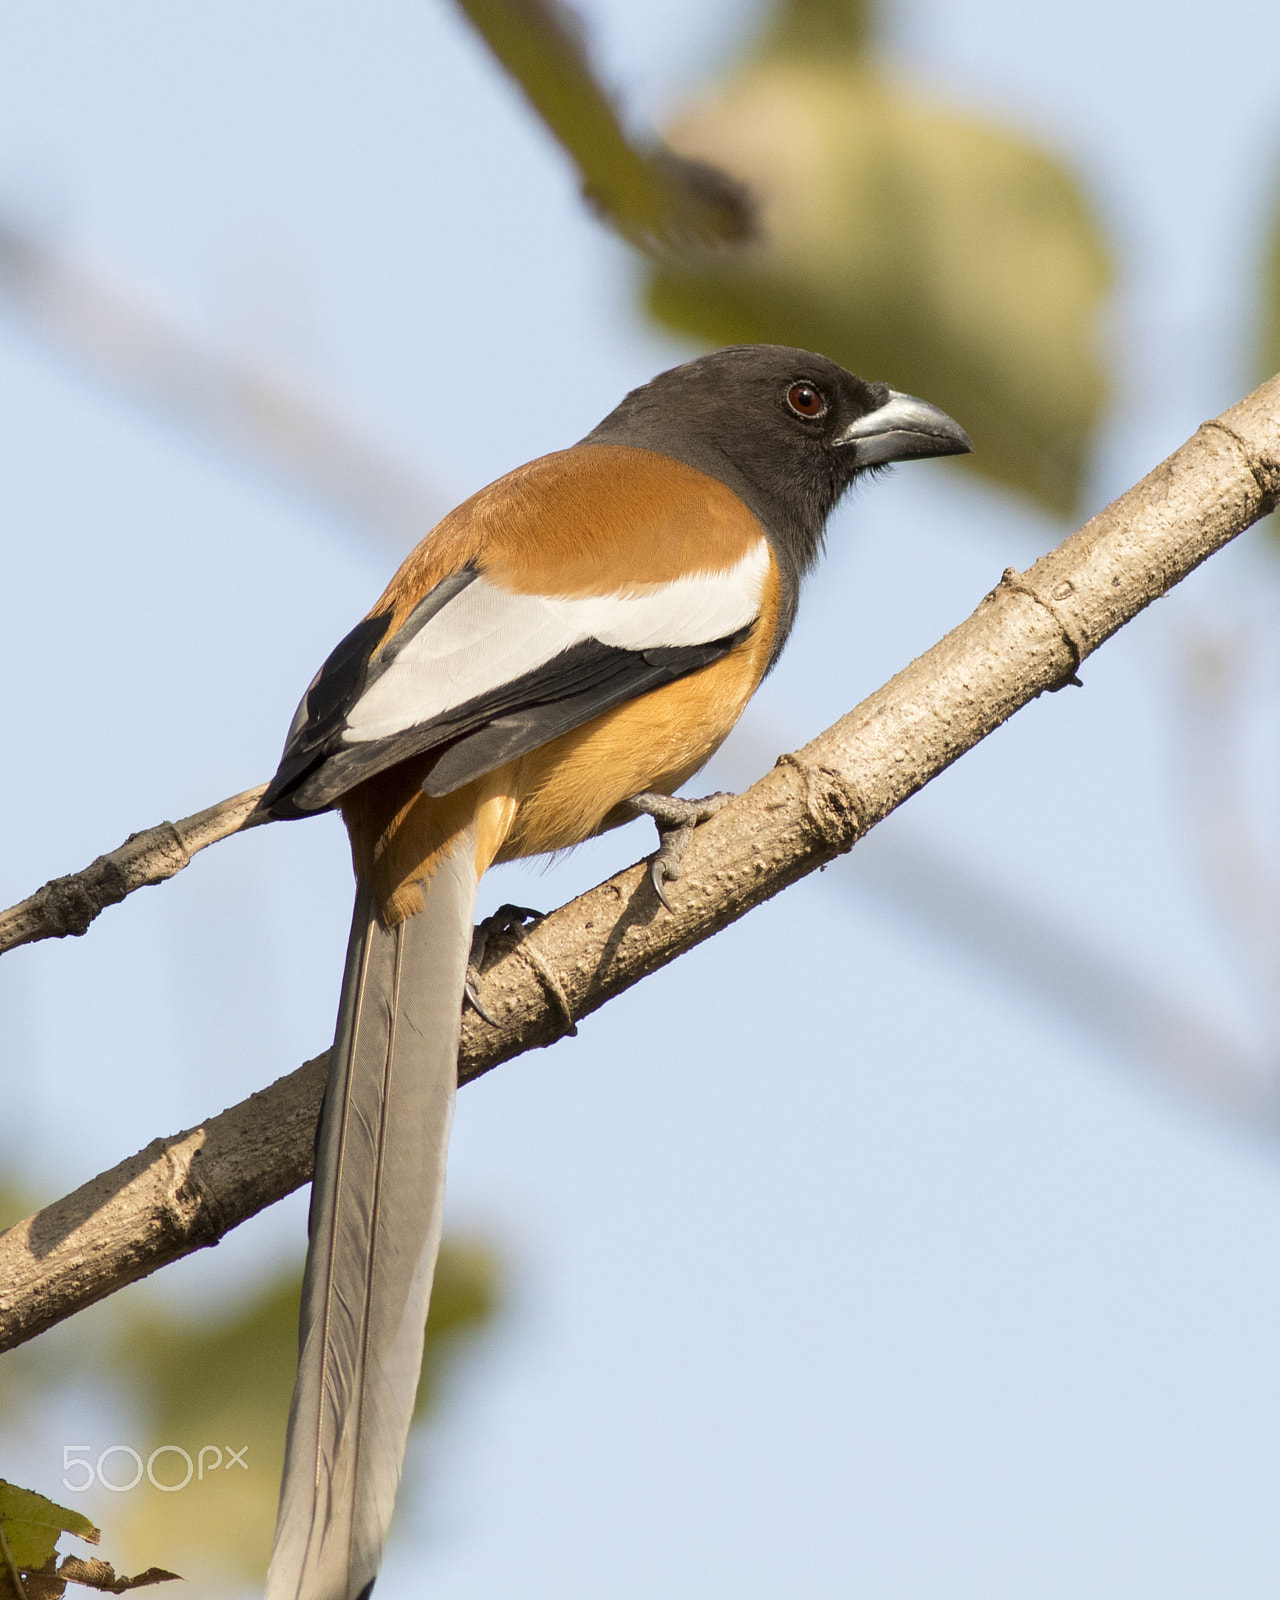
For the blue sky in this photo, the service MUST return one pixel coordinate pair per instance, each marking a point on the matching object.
(839, 1266)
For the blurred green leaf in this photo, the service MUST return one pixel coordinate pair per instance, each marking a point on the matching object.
(914, 244)
(1271, 306)
(14, 1204)
(32, 1525)
(811, 26)
(228, 1387)
(656, 199)
(464, 1299)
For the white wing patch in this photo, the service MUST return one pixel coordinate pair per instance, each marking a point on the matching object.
(487, 636)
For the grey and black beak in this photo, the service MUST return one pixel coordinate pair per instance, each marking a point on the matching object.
(903, 429)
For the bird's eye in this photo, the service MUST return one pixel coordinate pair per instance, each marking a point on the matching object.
(805, 400)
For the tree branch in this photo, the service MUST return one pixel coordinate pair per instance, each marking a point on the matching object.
(1090, 991)
(244, 406)
(67, 906)
(658, 200)
(1030, 634)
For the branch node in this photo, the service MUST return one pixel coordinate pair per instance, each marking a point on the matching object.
(1014, 582)
(1266, 474)
(834, 806)
(190, 1208)
(158, 839)
(69, 905)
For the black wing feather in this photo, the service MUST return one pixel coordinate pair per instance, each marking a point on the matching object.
(605, 677)
(474, 738)
(323, 712)
(349, 670)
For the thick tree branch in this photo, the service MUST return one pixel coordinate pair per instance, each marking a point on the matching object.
(1031, 633)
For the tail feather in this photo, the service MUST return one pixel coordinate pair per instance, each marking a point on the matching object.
(375, 1230)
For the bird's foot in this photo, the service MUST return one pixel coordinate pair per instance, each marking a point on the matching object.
(675, 820)
(506, 919)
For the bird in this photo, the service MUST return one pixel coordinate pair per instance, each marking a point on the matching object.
(560, 654)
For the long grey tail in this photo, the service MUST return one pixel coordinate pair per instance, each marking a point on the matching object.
(375, 1229)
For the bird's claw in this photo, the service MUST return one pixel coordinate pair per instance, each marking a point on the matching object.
(472, 997)
(506, 919)
(664, 863)
(675, 821)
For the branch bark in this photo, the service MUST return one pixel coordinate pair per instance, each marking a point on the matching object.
(67, 906)
(1030, 634)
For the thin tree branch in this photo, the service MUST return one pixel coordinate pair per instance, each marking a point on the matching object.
(1235, 865)
(239, 405)
(68, 905)
(991, 928)
(1030, 634)
(658, 200)
(1052, 965)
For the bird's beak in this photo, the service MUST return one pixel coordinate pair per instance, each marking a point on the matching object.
(902, 429)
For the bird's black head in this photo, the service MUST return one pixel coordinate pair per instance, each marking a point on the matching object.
(786, 429)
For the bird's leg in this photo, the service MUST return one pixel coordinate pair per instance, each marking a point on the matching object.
(675, 821)
(506, 919)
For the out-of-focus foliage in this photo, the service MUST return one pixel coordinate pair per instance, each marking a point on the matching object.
(1269, 354)
(224, 1385)
(1271, 305)
(32, 1525)
(914, 244)
(228, 1387)
(657, 200)
(50, 1583)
